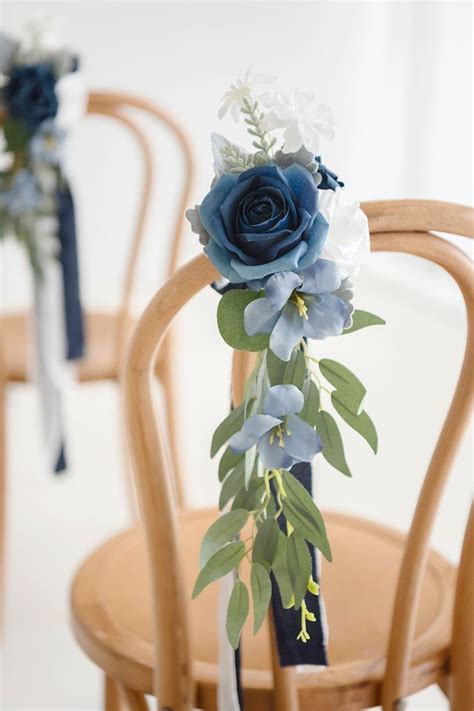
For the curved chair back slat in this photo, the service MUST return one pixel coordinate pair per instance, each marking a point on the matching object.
(395, 227)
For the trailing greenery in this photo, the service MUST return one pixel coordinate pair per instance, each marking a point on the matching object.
(272, 512)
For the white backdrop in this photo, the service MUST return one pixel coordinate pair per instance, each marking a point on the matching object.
(398, 77)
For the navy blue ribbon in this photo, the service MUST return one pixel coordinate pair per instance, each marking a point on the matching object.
(288, 622)
(73, 318)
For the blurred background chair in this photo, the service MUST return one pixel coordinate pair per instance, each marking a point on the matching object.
(107, 333)
(389, 598)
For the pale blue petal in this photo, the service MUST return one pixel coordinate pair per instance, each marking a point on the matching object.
(287, 332)
(304, 442)
(287, 262)
(251, 431)
(260, 317)
(283, 400)
(273, 456)
(327, 315)
(321, 278)
(280, 287)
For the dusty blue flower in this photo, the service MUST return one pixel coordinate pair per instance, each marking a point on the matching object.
(263, 221)
(22, 196)
(314, 303)
(329, 179)
(282, 438)
(30, 94)
(47, 144)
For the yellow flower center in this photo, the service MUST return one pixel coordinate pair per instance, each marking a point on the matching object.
(279, 432)
(300, 304)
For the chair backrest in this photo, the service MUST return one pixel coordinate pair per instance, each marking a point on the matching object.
(125, 109)
(396, 226)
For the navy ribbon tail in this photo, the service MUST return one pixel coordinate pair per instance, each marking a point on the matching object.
(74, 323)
(288, 622)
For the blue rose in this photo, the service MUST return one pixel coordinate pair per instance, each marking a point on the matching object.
(30, 94)
(262, 221)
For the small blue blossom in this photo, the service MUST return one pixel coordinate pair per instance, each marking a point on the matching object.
(282, 438)
(47, 144)
(22, 196)
(314, 303)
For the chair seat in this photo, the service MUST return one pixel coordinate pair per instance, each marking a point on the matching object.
(112, 617)
(100, 362)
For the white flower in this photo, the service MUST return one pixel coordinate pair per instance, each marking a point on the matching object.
(72, 99)
(301, 118)
(43, 33)
(242, 89)
(348, 239)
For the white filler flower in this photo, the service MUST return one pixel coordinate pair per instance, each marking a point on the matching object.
(348, 240)
(242, 89)
(301, 118)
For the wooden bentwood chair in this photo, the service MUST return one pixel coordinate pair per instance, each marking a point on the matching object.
(409, 625)
(107, 333)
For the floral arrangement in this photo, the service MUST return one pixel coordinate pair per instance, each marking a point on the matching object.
(41, 96)
(287, 239)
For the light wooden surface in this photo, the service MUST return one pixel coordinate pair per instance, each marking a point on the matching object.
(130, 603)
(107, 334)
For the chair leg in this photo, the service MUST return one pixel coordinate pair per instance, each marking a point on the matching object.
(118, 698)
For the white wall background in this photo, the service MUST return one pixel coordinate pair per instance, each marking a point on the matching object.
(398, 76)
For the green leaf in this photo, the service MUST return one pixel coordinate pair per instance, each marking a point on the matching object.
(261, 594)
(311, 402)
(221, 563)
(230, 320)
(299, 566)
(16, 135)
(229, 460)
(360, 423)
(303, 514)
(221, 532)
(280, 570)
(345, 381)
(363, 319)
(265, 543)
(234, 482)
(228, 427)
(237, 612)
(250, 498)
(295, 370)
(250, 456)
(276, 368)
(333, 449)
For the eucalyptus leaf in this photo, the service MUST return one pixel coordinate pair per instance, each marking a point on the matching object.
(233, 483)
(311, 402)
(265, 543)
(333, 449)
(363, 319)
(295, 369)
(360, 423)
(229, 460)
(250, 456)
(303, 514)
(299, 566)
(345, 381)
(276, 368)
(228, 427)
(16, 135)
(280, 570)
(221, 532)
(230, 320)
(250, 498)
(261, 587)
(221, 563)
(237, 612)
